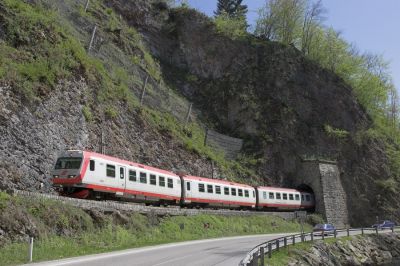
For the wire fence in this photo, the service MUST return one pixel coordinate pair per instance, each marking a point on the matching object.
(150, 91)
(260, 254)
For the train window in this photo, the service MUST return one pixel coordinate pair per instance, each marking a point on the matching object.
(226, 191)
(308, 198)
(302, 197)
(110, 170)
(297, 197)
(254, 194)
(264, 195)
(143, 178)
(170, 183)
(153, 180)
(291, 197)
(121, 173)
(271, 195)
(218, 189)
(201, 188)
(92, 164)
(233, 191)
(240, 192)
(187, 185)
(132, 175)
(210, 188)
(284, 196)
(246, 193)
(278, 195)
(161, 181)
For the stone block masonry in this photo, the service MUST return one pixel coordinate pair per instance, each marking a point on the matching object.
(334, 195)
(323, 178)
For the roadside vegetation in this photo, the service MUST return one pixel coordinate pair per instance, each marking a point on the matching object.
(61, 230)
(283, 256)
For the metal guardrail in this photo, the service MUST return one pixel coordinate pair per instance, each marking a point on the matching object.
(259, 254)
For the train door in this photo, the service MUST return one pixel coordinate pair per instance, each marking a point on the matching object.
(121, 180)
(188, 188)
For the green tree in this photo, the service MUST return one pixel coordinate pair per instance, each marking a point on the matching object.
(281, 20)
(233, 27)
(233, 8)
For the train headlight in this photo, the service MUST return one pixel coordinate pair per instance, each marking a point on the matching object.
(55, 176)
(71, 176)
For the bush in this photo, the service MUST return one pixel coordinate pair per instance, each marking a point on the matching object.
(314, 219)
(234, 28)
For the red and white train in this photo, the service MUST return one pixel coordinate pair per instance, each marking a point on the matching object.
(84, 174)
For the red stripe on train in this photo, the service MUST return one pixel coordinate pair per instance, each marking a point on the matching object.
(133, 192)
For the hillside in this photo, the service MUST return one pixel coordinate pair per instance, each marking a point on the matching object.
(56, 94)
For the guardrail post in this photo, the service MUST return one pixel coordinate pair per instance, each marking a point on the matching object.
(285, 242)
(348, 231)
(277, 245)
(376, 230)
(254, 262)
(392, 229)
(293, 240)
(262, 250)
(323, 234)
(30, 254)
(334, 233)
(312, 236)
(269, 250)
(362, 231)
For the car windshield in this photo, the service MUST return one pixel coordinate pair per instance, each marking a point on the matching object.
(68, 163)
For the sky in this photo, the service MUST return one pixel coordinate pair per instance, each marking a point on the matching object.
(372, 25)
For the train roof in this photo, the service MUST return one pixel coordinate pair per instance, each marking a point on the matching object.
(279, 189)
(117, 160)
(216, 181)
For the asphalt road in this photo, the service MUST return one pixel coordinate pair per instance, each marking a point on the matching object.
(222, 251)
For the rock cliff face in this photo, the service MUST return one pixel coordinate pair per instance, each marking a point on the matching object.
(280, 103)
(383, 249)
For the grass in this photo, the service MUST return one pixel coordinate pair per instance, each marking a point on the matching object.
(66, 231)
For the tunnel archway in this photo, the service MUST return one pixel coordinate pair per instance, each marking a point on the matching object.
(305, 188)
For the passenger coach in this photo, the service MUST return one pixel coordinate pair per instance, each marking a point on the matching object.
(201, 191)
(273, 198)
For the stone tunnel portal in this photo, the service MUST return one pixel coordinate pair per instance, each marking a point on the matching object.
(323, 179)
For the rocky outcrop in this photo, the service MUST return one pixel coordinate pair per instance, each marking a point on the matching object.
(278, 101)
(31, 137)
(382, 249)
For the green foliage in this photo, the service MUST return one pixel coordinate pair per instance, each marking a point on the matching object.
(4, 199)
(234, 28)
(314, 219)
(389, 185)
(335, 132)
(87, 113)
(233, 8)
(136, 231)
(110, 112)
(37, 52)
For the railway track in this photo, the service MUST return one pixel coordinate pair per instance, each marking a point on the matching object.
(143, 209)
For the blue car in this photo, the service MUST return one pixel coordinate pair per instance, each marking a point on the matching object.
(384, 225)
(326, 229)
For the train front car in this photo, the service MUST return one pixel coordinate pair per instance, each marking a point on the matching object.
(68, 173)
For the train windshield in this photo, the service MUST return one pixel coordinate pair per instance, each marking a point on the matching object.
(68, 163)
